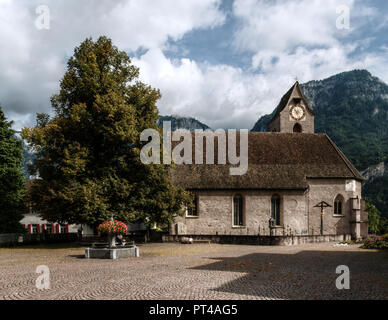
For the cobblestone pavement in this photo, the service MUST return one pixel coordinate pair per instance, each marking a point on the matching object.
(203, 271)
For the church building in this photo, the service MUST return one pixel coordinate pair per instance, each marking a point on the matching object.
(299, 187)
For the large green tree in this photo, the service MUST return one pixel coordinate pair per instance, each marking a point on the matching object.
(88, 153)
(11, 178)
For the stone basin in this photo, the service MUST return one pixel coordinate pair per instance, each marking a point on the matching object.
(102, 251)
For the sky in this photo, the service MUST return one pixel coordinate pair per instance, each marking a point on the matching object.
(223, 62)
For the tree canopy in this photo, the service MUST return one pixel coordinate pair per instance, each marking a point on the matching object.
(88, 153)
(11, 178)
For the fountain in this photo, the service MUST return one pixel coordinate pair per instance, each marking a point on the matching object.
(112, 228)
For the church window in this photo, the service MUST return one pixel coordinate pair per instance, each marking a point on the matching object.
(193, 212)
(238, 214)
(338, 205)
(275, 209)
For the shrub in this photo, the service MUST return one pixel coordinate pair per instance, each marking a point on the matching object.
(376, 242)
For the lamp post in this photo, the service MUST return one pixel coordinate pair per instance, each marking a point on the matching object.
(322, 205)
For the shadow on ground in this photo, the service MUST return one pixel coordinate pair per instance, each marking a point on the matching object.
(305, 275)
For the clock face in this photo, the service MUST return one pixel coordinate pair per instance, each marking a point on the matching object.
(297, 112)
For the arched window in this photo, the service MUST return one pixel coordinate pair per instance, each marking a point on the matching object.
(338, 205)
(275, 209)
(238, 214)
(297, 128)
(193, 212)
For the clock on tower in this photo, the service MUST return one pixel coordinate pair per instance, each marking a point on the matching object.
(297, 112)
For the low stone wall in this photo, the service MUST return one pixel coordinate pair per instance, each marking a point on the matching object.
(20, 239)
(260, 240)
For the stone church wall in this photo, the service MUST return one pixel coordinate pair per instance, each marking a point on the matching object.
(327, 190)
(298, 215)
(215, 214)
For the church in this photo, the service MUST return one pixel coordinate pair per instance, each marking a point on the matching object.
(299, 187)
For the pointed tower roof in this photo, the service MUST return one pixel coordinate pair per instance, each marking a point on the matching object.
(295, 90)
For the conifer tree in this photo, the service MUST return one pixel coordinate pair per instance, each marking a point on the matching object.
(11, 178)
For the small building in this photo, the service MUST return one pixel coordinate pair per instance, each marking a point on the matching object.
(291, 169)
(34, 224)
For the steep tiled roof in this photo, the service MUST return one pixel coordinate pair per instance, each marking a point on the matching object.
(275, 161)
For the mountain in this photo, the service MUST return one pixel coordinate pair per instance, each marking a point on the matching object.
(376, 185)
(28, 157)
(178, 122)
(377, 171)
(377, 193)
(352, 108)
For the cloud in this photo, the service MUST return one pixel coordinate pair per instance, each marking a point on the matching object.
(33, 61)
(301, 37)
(284, 25)
(286, 39)
(220, 95)
(282, 39)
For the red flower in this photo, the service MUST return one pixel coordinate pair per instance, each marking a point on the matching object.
(113, 227)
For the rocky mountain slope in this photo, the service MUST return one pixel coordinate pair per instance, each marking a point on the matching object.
(178, 122)
(377, 171)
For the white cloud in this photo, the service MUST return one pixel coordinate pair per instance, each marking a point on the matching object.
(33, 61)
(301, 38)
(220, 95)
(284, 25)
(286, 39)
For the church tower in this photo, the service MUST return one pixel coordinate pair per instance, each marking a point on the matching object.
(293, 114)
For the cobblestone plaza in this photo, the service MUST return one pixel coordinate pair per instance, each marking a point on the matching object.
(201, 271)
